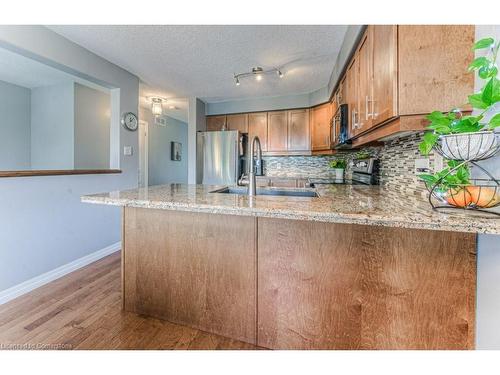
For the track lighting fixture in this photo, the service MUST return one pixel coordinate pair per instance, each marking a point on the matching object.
(258, 73)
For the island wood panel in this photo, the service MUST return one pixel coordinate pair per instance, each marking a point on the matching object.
(341, 286)
(190, 268)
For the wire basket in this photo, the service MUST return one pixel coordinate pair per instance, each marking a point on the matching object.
(468, 146)
(480, 194)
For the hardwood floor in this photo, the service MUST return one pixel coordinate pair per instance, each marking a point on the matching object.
(83, 311)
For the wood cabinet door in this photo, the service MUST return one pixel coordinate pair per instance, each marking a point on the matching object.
(215, 123)
(350, 98)
(299, 135)
(432, 69)
(257, 126)
(384, 102)
(364, 88)
(277, 131)
(320, 127)
(238, 122)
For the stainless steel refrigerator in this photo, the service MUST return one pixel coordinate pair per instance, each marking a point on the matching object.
(219, 157)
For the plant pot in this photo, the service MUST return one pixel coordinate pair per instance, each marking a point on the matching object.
(338, 173)
(468, 146)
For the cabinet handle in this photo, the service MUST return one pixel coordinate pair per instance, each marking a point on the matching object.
(367, 108)
(355, 125)
(374, 114)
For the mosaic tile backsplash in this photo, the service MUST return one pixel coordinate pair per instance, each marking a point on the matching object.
(397, 164)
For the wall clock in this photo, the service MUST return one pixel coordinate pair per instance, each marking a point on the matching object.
(129, 121)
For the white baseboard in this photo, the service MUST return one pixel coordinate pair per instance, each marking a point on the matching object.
(36, 282)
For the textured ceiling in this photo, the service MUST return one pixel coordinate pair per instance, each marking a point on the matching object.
(182, 61)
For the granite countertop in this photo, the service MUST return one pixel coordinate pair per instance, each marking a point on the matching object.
(350, 204)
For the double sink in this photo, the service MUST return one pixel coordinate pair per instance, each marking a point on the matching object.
(269, 191)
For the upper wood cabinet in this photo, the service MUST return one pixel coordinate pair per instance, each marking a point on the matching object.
(257, 126)
(216, 123)
(277, 131)
(364, 84)
(351, 96)
(238, 122)
(384, 100)
(397, 75)
(321, 117)
(433, 61)
(299, 138)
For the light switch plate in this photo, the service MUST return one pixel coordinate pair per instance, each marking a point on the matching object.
(127, 150)
(421, 166)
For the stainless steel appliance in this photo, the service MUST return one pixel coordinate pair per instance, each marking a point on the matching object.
(220, 157)
(364, 172)
(340, 128)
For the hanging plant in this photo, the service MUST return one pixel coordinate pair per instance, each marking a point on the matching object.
(443, 125)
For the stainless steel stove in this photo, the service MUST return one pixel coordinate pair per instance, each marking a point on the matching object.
(364, 172)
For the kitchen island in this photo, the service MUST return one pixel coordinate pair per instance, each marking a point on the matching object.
(355, 268)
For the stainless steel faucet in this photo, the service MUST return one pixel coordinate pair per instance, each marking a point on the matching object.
(251, 165)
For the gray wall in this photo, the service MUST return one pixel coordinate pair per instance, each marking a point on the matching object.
(43, 223)
(92, 128)
(196, 123)
(488, 275)
(14, 127)
(52, 127)
(161, 169)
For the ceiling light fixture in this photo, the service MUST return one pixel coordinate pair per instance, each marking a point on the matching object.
(258, 73)
(157, 106)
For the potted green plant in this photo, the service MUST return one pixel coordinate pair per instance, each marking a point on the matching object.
(469, 137)
(338, 165)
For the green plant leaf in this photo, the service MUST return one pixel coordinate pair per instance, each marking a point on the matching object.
(487, 93)
(479, 62)
(476, 102)
(428, 141)
(428, 178)
(466, 125)
(483, 43)
(494, 121)
(495, 91)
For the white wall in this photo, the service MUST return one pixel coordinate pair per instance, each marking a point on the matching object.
(52, 127)
(488, 267)
(43, 223)
(92, 128)
(14, 127)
